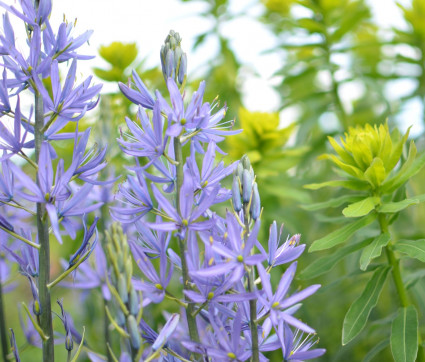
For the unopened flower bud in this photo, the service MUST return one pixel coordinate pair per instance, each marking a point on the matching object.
(256, 203)
(246, 186)
(173, 59)
(245, 162)
(239, 170)
(122, 288)
(133, 302)
(133, 331)
(236, 195)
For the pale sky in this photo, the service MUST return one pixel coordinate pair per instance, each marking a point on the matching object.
(147, 23)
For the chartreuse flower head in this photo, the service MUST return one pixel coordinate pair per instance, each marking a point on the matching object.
(368, 153)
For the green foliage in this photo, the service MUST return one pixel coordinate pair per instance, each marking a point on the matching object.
(404, 335)
(358, 314)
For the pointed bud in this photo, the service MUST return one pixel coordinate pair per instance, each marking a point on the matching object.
(246, 186)
(256, 203)
(122, 288)
(133, 302)
(245, 162)
(133, 331)
(236, 195)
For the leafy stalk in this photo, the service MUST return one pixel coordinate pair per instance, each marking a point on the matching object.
(398, 281)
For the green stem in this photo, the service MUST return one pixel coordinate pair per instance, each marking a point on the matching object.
(191, 320)
(3, 335)
(44, 251)
(340, 111)
(398, 281)
(106, 332)
(253, 302)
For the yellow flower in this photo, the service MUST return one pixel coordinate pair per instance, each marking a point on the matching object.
(368, 153)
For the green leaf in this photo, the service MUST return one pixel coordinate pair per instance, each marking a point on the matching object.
(359, 311)
(311, 25)
(393, 207)
(375, 350)
(339, 236)
(376, 173)
(361, 208)
(373, 250)
(404, 335)
(326, 263)
(351, 184)
(413, 248)
(410, 168)
(338, 201)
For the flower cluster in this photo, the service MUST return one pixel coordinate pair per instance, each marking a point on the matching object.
(229, 309)
(42, 191)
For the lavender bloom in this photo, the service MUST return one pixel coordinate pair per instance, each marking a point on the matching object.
(28, 261)
(295, 347)
(6, 182)
(152, 242)
(227, 346)
(147, 141)
(86, 248)
(134, 193)
(63, 46)
(4, 97)
(277, 304)
(178, 114)
(188, 215)
(32, 14)
(88, 277)
(287, 252)
(237, 256)
(69, 343)
(155, 289)
(140, 97)
(13, 345)
(13, 142)
(210, 174)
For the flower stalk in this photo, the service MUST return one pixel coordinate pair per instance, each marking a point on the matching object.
(190, 310)
(44, 251)
(3, 335)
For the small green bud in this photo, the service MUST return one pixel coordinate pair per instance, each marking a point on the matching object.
(133, 302)
(256, 203)
(133, 331)
(246, 186)
(245, 162)
(122, 288)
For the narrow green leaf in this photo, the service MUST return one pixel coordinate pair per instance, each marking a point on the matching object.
(339, 236)
(413, 248)
(362, 207)
(359, 311)
(376, 173)
(410, 168)
(351, 185)
(373, 250)
(376, 349)
(338, 201)
(326, 263)
(393, 207)
(404, 335)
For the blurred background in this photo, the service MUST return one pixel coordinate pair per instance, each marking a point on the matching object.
(292, 73)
